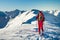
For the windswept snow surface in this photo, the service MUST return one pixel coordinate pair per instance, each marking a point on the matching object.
(15, 30)
(29, 32)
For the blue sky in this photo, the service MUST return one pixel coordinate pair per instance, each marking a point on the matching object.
(29, 4)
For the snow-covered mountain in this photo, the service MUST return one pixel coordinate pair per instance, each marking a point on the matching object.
(6, 16)
(3, 19)
(52, 16)
(49, 16)
(20, 25)
(13, 14)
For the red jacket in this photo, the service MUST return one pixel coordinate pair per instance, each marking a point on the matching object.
(43, 18)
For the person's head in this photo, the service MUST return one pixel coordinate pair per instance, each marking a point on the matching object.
(40, 13)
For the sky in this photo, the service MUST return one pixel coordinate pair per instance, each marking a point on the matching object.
(7, 5)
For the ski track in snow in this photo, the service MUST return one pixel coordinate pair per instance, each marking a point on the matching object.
(21, 31)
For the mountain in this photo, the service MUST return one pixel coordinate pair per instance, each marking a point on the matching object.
(13, 14)
(49, 16)
(16, 30)
(6, 16)
(3, 19)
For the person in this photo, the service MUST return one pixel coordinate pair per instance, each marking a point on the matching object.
(40, 19)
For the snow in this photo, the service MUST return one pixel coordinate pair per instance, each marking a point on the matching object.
(56, 12)
(29, 16)
(15, 22)
(15, 30)
(50, 11)
(26, 32)
(34, 22)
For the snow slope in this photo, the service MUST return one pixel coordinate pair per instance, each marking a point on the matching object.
(28, 32)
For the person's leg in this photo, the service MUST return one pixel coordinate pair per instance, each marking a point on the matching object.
(39, 27)
(42, 28)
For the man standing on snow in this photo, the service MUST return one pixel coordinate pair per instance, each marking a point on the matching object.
(40, 19)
